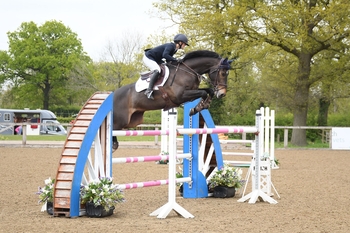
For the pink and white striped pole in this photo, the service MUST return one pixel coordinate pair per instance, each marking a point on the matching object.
(151, 183)
(148, 158)
(218, 130)
(140, 132)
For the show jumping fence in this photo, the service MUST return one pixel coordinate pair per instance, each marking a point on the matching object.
(92, 130)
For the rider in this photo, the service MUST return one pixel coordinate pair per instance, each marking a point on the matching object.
(153, 57)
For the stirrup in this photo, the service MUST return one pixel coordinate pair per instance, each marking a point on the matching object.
(149, 94)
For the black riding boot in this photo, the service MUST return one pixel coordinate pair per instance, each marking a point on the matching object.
(153, 80)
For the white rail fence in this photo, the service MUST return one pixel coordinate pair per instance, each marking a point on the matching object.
(326, 131)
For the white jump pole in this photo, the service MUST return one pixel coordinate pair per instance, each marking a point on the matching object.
(164, 138)
(257, 192)
(164, 211)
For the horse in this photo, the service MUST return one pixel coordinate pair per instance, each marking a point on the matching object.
(182, 86)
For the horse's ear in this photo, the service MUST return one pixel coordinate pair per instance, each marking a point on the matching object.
(232, 60)
(227, 63)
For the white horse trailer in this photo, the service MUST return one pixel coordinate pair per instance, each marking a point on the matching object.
(30, 119)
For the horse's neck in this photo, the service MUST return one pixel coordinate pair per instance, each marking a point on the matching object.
(202, 66)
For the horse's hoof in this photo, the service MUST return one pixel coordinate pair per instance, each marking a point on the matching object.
(192, 112)
(115, 146)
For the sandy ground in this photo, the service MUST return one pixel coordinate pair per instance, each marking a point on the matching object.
(314, 186)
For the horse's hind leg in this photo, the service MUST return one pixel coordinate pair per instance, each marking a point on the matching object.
(115, 143)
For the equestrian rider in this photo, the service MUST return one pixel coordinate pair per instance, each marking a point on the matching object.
(153, 58)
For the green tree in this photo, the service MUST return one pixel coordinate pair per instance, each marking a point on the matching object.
(39, 61)
(122, 61)
(299, 30)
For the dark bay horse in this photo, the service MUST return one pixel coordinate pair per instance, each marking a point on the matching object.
(181, 86)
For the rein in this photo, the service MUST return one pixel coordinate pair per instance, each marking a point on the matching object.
(199, 76)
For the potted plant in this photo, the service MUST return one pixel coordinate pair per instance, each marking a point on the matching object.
(163, 161)
(100, 197)
(46, 195)
(225, 181)
(181, 188)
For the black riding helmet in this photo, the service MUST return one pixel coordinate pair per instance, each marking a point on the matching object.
(181, 37)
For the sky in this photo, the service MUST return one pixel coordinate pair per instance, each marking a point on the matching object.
(95, 22)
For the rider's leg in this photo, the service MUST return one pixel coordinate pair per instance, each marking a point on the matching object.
(152, 81)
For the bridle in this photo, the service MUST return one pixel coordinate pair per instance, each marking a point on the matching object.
(200, 77)
(217, 70)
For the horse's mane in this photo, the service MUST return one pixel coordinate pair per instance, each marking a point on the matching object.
(200, 53)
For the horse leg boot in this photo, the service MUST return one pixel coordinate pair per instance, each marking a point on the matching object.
(198, 108)
(153, 80)
(201, 105)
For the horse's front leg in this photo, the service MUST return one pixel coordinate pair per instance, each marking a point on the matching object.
(205, 94)
(203, 104)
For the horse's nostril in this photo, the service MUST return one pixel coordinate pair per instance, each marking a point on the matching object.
(222, 95)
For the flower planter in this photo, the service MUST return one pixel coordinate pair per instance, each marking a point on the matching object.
(49, 207)
(224, 192)
(97, 211)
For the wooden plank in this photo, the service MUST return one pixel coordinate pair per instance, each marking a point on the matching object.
(82, 123)
(77, 129)
(76, 137)
(100, 96)
(65, 176)
(62, 203)
(60, 184)
(88, 111)
(73, 144)
(62, 193)
(66, 168)
(96, 101)
(70, 152)
(92, 106)
(68, 159)
(85, 117)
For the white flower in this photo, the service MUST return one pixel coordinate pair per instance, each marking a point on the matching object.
(48, 181)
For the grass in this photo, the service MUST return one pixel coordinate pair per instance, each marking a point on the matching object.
(310, 145)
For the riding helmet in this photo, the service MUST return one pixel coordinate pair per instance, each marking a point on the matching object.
(181, 37)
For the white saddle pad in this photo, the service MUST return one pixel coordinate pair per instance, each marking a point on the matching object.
(143, 84)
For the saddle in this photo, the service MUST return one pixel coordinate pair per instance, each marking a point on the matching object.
(147, 74)
(143, 81)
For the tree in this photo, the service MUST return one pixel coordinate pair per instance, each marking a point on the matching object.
(336, 66)
(300, 31)
(125, 65)
(40, 59)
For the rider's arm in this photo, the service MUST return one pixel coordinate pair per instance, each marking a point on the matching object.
(169, 51)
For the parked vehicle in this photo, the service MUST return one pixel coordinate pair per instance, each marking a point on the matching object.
(29, 119)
